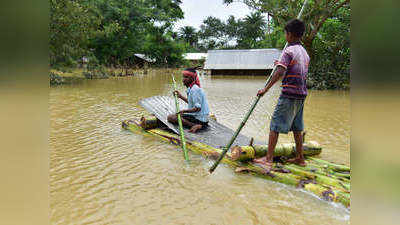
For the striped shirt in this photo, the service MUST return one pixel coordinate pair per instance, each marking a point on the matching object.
(295, 60)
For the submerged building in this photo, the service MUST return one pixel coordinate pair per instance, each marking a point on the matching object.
(141, 60)
(241, 62)
(195, 59)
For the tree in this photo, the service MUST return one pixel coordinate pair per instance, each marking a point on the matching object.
(251, 31)
(331, 67)
(212, 33)
(127, 24)
(160, 45)
(232, 28)
(316, 14)
(189, 35)
(327, 36)
(110, 32)
(72, 24)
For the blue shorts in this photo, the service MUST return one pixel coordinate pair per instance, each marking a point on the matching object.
(288, 115)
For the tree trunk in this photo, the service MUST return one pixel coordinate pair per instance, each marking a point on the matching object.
(307, 41)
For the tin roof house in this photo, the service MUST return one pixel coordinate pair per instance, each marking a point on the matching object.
(195, 56)
(195, 59)
(241, 62)
(141, 60)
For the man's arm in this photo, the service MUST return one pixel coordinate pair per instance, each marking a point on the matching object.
(192, 110)
(184, 98)
(181, 96)
(196, 97)
(280, 70)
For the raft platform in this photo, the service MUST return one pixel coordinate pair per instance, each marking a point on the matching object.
(329, 181)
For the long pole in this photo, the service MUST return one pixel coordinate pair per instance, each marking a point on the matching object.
(183, 141)
(253, 106)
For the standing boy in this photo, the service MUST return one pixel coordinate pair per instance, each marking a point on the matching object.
(196, 116)
(288, 114)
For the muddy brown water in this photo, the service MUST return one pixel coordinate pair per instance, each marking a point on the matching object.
(101, 174)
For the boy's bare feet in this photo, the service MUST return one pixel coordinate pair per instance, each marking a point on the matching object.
(297, 161)
(261, 160)
(264, 161)
(195, 128)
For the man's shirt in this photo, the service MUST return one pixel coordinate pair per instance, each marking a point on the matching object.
(197, 99)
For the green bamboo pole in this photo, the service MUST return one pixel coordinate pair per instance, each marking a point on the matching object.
(318, 169)
(246, 153)
(320, 179)
(185, 153)
(150, 123)
(253, 106)
(335, 167)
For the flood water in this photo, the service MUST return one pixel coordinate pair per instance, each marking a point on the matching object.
(101, 174)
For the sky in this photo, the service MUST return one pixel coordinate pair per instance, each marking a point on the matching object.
(195, 11)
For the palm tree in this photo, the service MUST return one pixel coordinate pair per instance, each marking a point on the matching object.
(189, 34)
(252, 29)
(255, 25)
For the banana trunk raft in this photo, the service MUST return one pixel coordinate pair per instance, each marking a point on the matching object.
(329, 181)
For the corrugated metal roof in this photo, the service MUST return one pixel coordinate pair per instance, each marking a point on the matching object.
(216, 134)
(246, 59)
(144, 57)
(195, 56)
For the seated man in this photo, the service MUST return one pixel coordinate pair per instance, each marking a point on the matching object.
(196, 116)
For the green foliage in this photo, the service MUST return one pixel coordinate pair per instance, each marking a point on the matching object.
(327, 36)
(71, 25)
(130, 27)
(189, 35)
(251, 30)
(245, 34)
(163, 48)
(110, 32)
(331, 64)
(212, 33)
(96, 72)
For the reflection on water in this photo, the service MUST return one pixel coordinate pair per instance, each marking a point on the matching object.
(101, 174)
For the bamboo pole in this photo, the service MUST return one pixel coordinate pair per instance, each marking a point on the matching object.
(329, 194)
(253, 106)
(335, 167)
(320, 179)
(183, 141)
(246, 153)
(150, 123)
(318, 169)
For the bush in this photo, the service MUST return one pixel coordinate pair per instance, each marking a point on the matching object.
(56, 79)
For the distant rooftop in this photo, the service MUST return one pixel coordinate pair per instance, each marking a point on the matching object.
(144, 57)
(244, 59)
(195, 56)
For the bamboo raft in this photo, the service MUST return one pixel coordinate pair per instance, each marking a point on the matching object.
(329, 181)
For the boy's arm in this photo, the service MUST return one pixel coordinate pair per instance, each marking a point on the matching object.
(281, 67)
(280, 70)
